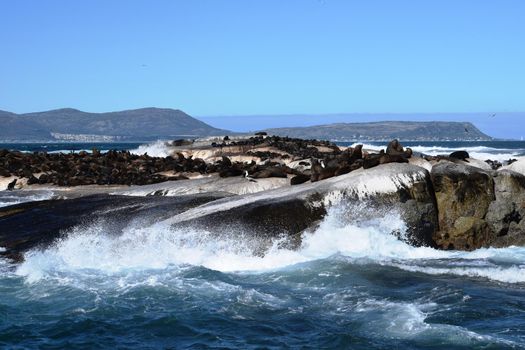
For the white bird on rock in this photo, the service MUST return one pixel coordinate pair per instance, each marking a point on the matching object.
(248, 177)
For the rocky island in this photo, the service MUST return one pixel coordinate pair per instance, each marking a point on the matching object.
(269, 186)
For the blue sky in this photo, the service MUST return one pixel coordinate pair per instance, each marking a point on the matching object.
(221, 57)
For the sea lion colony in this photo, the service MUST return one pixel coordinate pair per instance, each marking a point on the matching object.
(268, 156)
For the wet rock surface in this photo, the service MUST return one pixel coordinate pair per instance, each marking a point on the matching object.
(448, 202)
(282, 212)
(30, 225)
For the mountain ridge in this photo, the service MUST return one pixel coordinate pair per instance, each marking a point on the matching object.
(69, 124)
(151, 123)
(387, 130)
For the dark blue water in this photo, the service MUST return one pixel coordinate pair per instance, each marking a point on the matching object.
(350, 286)
(330, 303)
(510, 148)
(67, 147)
(495, 150)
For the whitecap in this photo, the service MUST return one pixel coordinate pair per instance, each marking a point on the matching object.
(158, 148)
(96, 249)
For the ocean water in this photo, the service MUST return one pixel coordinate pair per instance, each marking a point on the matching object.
(66, 147)
(495, 150)
(351, 285)
(484, 150)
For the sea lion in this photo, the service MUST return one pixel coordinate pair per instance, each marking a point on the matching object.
(226, 161)
(271, 172)
(181, 142)
(372, 159)
(11, 185)
(357, 153)
(299, 179)
(494, 164)
(394, 148)
(461, 155)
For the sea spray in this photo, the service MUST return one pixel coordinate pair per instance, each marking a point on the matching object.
(8, 198)
(158, 148)
(361, 240)
(477, 152)
(349, 282)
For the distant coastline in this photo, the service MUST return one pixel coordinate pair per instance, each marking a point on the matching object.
(150, 124)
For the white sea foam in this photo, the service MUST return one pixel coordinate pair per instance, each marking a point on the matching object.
(17, 197)
(95, 248)
(403, 320)
(158, 148)
(477, 152)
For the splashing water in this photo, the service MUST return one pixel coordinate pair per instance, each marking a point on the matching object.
(158, 148)
(476, 151)
(159, 246)
(350, 283)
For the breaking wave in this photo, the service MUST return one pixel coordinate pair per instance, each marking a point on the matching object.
(11, 198)
(346, 280)
(95, 248)
(477, 152)
(158, 148)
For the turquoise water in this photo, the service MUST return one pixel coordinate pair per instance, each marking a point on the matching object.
(351, 285)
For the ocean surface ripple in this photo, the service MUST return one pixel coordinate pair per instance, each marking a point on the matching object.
(350, 285)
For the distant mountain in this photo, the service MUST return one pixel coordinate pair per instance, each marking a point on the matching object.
(73, 125)
(388, 130)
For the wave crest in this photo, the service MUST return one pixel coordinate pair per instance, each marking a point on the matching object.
(96, 248)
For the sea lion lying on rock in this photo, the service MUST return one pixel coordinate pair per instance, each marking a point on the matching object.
(271, 172)
(461, 155)
(494, 164)
(182, 142)
(299, 179)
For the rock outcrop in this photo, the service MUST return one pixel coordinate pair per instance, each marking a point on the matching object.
(283, 212)
(284, 187)
(506, 214)
(256, 157)
(478, 208)
(37, 224)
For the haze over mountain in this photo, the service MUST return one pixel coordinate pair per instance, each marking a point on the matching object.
(73, 125)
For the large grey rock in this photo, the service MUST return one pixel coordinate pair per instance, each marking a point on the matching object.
(506, 214)
(463, 195)
(37, 224)
(393, 187)
(478, 208)
(287, 211)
